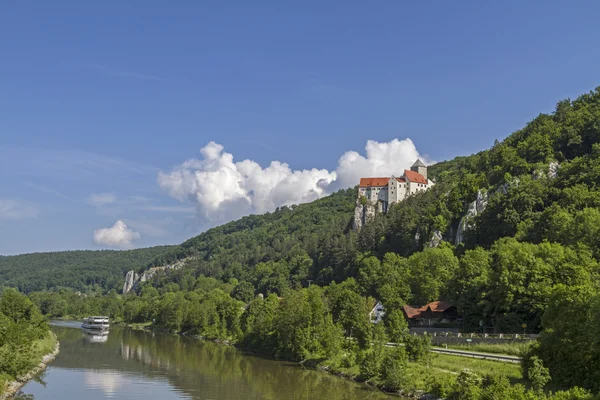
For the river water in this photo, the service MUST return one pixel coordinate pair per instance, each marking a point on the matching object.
(130, 364)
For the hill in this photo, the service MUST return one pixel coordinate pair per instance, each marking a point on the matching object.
(507, 235)
(83, 270)
(535, 194)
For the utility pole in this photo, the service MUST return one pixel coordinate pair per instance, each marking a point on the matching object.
(309, 281)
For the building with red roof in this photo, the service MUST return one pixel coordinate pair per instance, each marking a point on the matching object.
(431, 314)
(385, 191)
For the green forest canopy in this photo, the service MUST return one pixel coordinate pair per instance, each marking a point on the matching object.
(530, 257)
(81, 270)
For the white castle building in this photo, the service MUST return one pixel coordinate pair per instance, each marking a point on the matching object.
(383, 192)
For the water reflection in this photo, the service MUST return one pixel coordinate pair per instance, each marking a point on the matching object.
(129, 364)
(94, 336)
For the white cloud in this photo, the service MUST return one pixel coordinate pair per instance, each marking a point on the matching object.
(119, 235)
(382, 159)
(223, 189)
(12, 209)
(101, 199)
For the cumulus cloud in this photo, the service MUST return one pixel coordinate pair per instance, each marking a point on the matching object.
(14, 210)
(119, 235)
(223, 189)
(101, 199)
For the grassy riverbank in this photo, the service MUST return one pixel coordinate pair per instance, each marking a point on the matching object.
(42, 351)
(25, 340)
(418, 378)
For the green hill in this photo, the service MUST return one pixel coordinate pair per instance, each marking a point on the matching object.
(81, 270)
(539, 227)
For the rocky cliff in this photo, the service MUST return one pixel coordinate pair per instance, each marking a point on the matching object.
(132, 279)
(363, 213)
(475, 208)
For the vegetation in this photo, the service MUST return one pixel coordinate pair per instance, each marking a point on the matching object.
(529, 257)
(82, 270)
(511, 349)
(24, 336)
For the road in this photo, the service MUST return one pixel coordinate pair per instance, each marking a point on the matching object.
(473, 354)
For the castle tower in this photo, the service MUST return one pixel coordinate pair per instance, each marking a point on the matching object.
(419, 167)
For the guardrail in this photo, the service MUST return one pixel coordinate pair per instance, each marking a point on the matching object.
(476, 354)
(471, 354)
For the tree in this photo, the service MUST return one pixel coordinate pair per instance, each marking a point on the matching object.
(537, 374)
(244, 291)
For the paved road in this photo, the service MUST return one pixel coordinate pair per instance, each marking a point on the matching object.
(477, 354)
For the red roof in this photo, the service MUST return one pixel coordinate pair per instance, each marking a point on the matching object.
(414, 176)
(370, 182)
(411, 312)
(400, 180)
(436, 306)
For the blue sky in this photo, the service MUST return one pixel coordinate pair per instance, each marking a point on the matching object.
(101, 103)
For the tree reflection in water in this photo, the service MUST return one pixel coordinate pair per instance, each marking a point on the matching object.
(198, 369)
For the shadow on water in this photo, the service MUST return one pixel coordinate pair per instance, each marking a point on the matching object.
(136, 364)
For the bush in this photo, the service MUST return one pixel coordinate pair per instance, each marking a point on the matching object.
(467, 386)
(439, 387)
(369, 364)
(393, 368)
(537, 373)
(417, 348)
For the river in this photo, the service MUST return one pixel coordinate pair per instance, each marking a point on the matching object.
(130, 364)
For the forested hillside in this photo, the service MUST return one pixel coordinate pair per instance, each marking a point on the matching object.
(508, 235)
(538, 228)
(81, 270)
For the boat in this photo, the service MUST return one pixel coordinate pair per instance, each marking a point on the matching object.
(96, 323)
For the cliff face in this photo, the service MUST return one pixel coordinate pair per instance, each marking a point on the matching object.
(466, 222)
(363, 213)
(132, 279)
(480, 203)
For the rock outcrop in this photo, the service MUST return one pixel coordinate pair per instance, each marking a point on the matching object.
(132, 279)
(553, 169)
(363, 213)
(435, 240)
(551, 173)
(466, 222)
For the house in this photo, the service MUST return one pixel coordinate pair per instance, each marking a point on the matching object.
(437, 312)
(377, 313)
(385, 191)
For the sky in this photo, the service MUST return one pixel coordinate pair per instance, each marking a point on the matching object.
(138, 123)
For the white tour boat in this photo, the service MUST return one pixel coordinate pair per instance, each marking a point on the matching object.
(95, 323)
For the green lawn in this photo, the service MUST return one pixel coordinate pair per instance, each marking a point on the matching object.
(481, 367)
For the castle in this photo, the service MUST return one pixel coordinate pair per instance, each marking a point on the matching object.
(382, 192)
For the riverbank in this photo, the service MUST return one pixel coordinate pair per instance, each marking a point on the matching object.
(48, 349)
(416, 373)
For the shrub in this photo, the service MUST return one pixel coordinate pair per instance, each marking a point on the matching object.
(417, 348)
(393, 368)
(369, 364)
(537, 373)
(467, 386)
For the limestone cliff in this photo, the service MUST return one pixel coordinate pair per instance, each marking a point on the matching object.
(132, 279)
(363, 213)
(475, 208)
(435, 240)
